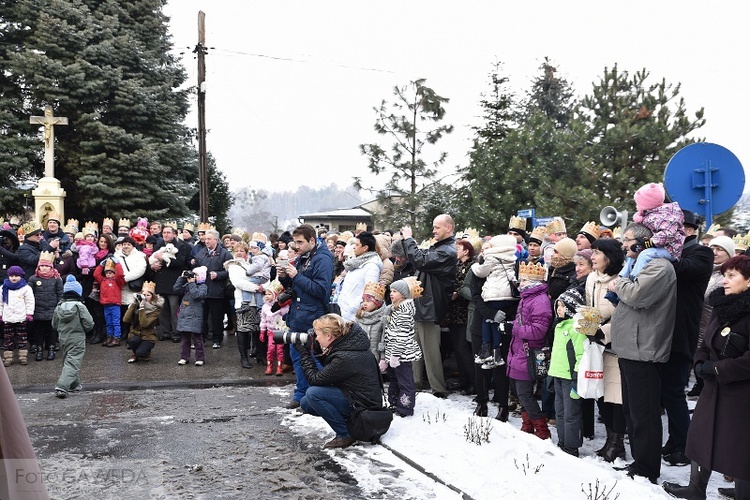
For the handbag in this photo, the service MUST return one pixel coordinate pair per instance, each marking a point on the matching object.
(735, 344)
(591, 371)
(537, 361)
(368, 424)
(137, 284)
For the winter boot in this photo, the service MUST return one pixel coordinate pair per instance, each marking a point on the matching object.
(526, 425)
(485, 354)
(279, 368)
(270, 367)
(607, 443)
(696, 490)
(39, 355)
(498, 357)
(616, 448)
(540, 428)
(481, 410)
(7, 358)
(242, 340)
(51, 353)
(502, 414)
(23, 356)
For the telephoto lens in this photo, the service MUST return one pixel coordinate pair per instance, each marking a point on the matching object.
(288, 337)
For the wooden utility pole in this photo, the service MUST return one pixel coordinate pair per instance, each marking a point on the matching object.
(201, 51)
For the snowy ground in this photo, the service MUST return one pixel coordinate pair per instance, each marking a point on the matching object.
(508, 463)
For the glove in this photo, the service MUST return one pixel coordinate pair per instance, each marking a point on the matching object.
(640, 245)
(612, 297)
(262, 336)
(394, 362)
(29, 318)
(705, 370)
(574, 393)
(67, 254)
(507, 327)
(383, 364)
(499, 316)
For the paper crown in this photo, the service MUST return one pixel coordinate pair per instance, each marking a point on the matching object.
(591, 228)
(532, 272)
(518, 223)
(203, 227)
(741, 242)
(148, 286)
(108, 222)
(361, 226)
(170, 223)
(238, 231)
(30, 228)
(712, 230)
(538, 234)
(124, 223)
(556, 225)
(586, 321)
(109, 265)
(617, 233)
(376, 290)
(188, 226)
(276, 287)
(472, 235)
(415, 287)
(55, 217)
(74, 223)
(46, 258)
(90, 228)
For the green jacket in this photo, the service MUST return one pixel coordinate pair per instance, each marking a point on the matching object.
(567, 347)
(72, 318)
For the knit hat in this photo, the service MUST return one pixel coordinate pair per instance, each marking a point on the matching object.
(503, 241)
(18, 271)
(409, 287)
(584, 254)
(724, 242)
(571, 299)
(567, 248)
(71, 285)
(200, 274)
(649, 196)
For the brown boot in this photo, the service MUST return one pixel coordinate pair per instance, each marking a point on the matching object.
(7, 358)
(526, 426)
(540, 428)
(269, 367)
(23, 355)
(279, 368)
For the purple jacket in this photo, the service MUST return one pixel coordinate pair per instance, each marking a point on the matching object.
(532, 321)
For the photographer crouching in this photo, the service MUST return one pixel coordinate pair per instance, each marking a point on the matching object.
(349, 376)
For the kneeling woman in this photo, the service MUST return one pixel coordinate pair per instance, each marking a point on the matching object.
(143, 316)
(349, 376)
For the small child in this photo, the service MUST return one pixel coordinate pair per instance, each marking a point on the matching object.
(86, 247)
(48, 290)
(143, 316)
(148, 245)
(270, 320)
(16, 311)
(190, 319)
(259, 270)
(111, 279)
(665, 220)
(72, 321)
(401, 347)
(371, 316)
(567, 350)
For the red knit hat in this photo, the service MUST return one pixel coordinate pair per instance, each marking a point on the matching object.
(649, 196)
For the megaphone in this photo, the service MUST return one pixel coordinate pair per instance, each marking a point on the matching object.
(610, 216)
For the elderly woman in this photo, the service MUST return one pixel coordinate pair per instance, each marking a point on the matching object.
(349, 376)
(717, 439)
(363, 268)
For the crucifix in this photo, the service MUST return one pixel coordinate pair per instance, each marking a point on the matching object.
(49, 121)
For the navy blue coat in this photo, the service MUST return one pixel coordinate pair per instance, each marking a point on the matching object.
(311, 288)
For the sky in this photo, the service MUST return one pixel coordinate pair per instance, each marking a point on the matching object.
(291, 85)
(434, 439)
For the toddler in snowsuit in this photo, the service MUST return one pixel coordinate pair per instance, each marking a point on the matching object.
(73, 321)
(270, 321)
(16, 311)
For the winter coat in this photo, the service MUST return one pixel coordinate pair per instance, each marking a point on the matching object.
(383, 247)
(60, 235)
(237, 270)
(643, 321)
(47, 293)
(666, 224)
(436, 269)
(398, 335)
(596, 289)
(458, 309)
(86, 252)
(166, 277)
(567, 347)
(714, 282)
(532, 321)
(693, 271)
(66, 265)
(499, 269)
(28, 255)
(373, 324)
(134, 266)
(214, 262)
(350, 295)
(20, 304)
(144, 318)
(110, 288)
(718, 437)
(190, 317)
(269, 318)
(259, 265)
(348, 365)
(560, 279)
(71, 318)
(311, 288)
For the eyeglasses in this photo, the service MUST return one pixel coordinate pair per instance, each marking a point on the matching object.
(625, 240)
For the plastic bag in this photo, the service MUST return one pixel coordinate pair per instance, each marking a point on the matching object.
(591, 371)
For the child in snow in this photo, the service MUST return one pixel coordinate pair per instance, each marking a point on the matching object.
(401, 347)
(48, 290)
(567, 349)
(270, 321)
(72, 321)
(665, 220)
(16, 311)
(370, 317)
(111, 279)
(190, 319)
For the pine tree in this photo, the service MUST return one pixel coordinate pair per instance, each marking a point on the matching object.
(220, 199)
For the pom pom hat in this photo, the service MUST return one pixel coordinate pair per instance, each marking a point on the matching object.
(71, 285)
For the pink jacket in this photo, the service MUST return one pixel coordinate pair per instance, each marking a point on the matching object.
(666, 224)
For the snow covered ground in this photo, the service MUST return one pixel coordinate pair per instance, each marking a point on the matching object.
(508, 463)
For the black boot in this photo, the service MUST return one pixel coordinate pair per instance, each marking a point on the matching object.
(696, 490)
(98, 338)
(600, 451)
(242, 340)
(502, 414)
(616, 448)
(50, 353)
(39, 355)
(481, 410)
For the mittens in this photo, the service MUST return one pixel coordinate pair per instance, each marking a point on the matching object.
(394, 362)
(383, 364)
(706, 369)
(29, 318)
(641, 244)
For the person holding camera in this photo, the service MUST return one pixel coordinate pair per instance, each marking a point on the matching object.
(349, 376)
(143, 316)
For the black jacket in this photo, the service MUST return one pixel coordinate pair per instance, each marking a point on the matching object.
(693, 271)
(166, 277)
(560, 279)
(436, 269)
(214, 262)
(28, 255)
(350, 366)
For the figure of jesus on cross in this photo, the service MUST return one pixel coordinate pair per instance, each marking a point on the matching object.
(49, 121)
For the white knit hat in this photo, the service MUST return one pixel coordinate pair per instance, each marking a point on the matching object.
(724, 242)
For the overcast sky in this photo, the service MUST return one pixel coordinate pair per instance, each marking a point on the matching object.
(291, 86)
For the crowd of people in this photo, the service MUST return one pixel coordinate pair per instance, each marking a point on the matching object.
(667, 301)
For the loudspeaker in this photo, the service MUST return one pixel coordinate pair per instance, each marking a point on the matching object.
(610, 216)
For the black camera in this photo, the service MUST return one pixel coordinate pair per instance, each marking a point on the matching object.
(289, 337)
(284, 296)
(188, 274)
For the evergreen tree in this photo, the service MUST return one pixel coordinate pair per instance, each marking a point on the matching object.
(551, 95)
(412, 122)
(220, 199)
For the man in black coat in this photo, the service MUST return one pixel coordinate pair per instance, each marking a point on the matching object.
(693, 272)
(28, 253)
(213, 256)
(165, 278)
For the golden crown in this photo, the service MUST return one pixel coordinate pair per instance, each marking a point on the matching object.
(170, 223)
(538, 234)
(556, 225)
(238, 231)
(188, 226)
(124, 223)
(55, 216)
(148, 286)
(415, 287)
(712, 230)
(587, 320)
(70, 229)
(591, 228)
(110, 265)
(30, 228)
(617, 233)
(108, 222)
(741, 242)
(203, 226)
(276, 287)
(46, 257)
(532, 272)
(517, 223)
(74, 223)
(374, 289)
(361, 226)
(91, 228)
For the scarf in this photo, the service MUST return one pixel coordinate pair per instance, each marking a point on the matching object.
(729, 308)
(357, 262)
(50, 272)
(101, 254)
(558, 261)
(7, 285)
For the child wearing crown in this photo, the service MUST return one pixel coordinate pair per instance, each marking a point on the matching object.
(111, 279)
(401, 348)
(370, 316)
(16, 311)
(143, 316)
(48, 290)
(270, 321)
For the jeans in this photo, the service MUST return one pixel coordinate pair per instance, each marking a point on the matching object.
(112, 320)
(330, 403)
(300, 389)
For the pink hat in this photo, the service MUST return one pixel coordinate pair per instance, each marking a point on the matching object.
(649, 196)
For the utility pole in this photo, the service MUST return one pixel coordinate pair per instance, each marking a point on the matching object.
(201, 51)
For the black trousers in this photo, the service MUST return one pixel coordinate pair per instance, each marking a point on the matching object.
(497, 376)
(675, 374)
(464, 357)
(641, 401)
(213, 319)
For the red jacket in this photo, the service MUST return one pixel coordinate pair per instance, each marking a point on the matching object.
(111, 288)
